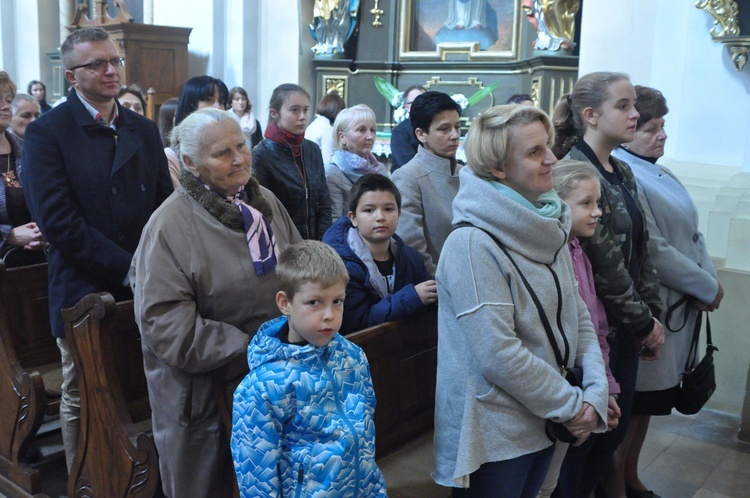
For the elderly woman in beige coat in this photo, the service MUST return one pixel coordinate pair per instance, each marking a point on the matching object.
(203, 280)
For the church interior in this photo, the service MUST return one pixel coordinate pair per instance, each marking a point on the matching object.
(695, 53)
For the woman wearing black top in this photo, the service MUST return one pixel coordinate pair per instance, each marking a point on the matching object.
(18, 234)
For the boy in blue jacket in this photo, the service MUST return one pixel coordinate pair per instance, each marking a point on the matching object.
(302, 422)
(387, 278)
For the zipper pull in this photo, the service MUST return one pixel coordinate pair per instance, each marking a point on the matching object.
(300, 475)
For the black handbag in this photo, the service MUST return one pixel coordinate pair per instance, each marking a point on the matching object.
(15, 256)
(699, 381)
(555, 430)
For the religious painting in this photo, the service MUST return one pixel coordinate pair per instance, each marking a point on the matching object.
(429, 29)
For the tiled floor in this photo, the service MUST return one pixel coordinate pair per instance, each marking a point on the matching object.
(684, 457)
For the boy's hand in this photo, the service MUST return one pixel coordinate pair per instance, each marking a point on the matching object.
(427, 291)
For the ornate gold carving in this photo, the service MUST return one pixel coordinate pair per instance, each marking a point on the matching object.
(726, 14)
(336, 84)
(727, 29)
(739, 56)
(554, 21)
(739, 47)
(378, 13)
(536, 91)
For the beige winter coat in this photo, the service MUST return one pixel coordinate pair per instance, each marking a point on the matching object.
(198, 302)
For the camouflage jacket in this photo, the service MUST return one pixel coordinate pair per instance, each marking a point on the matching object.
(630, 306)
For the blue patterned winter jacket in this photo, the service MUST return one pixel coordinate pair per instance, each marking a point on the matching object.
(302, 422)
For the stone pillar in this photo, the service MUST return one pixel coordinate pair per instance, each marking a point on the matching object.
(148, 11)
(67, 11)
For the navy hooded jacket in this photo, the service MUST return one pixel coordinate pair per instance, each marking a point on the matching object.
(363, 306)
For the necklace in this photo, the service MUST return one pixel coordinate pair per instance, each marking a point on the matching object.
(10, 176)
(6, 175)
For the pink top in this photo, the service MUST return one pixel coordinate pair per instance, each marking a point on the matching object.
(585, 277)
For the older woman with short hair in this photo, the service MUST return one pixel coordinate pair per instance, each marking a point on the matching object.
(203, 281)
(504, 276)
(18, 233)
(353, 138)
(678, 251)
(25, 110)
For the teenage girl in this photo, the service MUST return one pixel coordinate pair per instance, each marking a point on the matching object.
(292, 167)
(597, 116)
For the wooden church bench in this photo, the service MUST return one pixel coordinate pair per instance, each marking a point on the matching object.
(403, 363)
(116, 455)
(28, 356)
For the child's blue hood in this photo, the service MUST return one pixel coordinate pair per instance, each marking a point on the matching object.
(266, 347)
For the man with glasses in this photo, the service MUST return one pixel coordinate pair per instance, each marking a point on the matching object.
(404, 143)
(93, 172)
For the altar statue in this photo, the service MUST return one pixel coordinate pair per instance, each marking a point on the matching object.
(333, 23)
(554, 21)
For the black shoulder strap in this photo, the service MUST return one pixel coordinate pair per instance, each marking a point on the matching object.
(693, 353)
(672, 309)
(561, 362)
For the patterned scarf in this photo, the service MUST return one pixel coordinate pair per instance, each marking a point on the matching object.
(260, 239)
(355, 166)
(236, 214)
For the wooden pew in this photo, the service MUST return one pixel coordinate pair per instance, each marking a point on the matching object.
(26, 349)
(116, 455)
(403, 363)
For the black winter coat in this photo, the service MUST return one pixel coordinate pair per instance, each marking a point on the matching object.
(307, 201)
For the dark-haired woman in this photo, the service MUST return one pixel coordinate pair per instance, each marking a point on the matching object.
(679, 253)
(292, 167)
(131, 97)
(37, 90)
(199, 92)
(320, 130)
(590, 122)
(243, 110)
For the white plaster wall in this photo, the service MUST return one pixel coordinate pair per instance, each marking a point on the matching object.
(20, 52)
(201, 18)
(253, 44)
(667, 45)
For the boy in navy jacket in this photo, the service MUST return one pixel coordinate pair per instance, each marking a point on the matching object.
(387, 278)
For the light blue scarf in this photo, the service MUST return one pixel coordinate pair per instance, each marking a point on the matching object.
(548, 205)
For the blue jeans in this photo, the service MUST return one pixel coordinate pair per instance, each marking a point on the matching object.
(520, 477)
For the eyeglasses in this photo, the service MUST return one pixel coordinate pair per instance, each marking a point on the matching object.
(99, 65)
